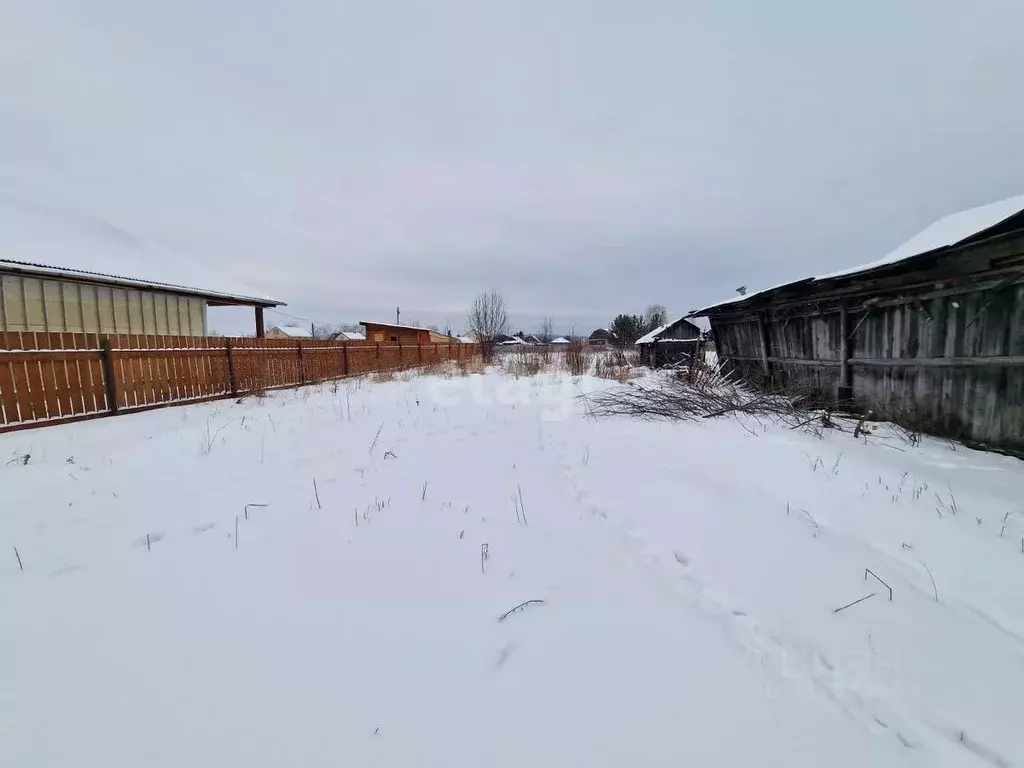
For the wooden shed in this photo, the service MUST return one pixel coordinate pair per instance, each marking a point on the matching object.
(669, 344)
(931, 336)
(390, 333)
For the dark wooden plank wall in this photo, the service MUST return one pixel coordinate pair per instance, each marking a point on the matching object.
(946, 357)
(47, 378)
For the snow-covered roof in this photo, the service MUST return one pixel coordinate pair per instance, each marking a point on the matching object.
(295, 331)
(560, 340)
(465, 339)
(396, 325)
(515, 340)
(351, 336)
(947, 231)
(45, 241)
(647, 338)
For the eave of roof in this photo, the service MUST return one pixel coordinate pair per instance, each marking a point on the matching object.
(947, 233)
(31, 269)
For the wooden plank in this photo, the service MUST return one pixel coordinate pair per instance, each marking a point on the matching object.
(20, 374)
(11, 413)
(34, 376)
(845, 384)
(74, 371)
(940, 362)
(109, 376)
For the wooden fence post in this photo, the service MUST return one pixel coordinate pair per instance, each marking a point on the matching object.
(419, 352)
(231, 369)
(401, 358)
(378, 356)
(109, 383)
(344, 358)
(302, 365)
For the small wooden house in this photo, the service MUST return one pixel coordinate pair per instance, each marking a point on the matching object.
(602, 337)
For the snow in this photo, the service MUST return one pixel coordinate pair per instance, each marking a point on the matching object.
(54, 241)
(647, 338)
(351, 336)
(394, 325)
(688, 618)
(465, 339)
(945, 232)
(294, 331)
(560, 340)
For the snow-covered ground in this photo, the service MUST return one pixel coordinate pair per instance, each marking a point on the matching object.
(689, 575)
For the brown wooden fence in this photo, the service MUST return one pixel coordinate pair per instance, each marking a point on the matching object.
(51, 378)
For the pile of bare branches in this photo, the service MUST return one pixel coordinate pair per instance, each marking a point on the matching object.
(697, 392)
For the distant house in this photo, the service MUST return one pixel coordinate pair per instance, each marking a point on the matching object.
(348, 336)
(560, 341)
(669, 344)
(515, 341)
(602, 337)
(465, 339)
(532, 340)
(391, 333)
(289, 332)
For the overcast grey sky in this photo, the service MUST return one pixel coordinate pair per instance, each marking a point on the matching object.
(585, 158)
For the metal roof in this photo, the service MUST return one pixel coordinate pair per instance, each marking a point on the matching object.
(45, 240)
(954, 229)
(403, 327)
(82, 275)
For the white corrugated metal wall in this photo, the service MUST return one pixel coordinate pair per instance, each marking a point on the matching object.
(36, 304)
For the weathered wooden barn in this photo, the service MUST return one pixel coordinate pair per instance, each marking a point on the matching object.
(931, 336)
(669, 344)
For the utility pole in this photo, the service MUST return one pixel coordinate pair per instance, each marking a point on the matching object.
(312, 330)
(398, 315)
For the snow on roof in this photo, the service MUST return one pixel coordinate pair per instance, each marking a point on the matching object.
(514, 340)
(396, 325)
(947, 231)
(351, 336)
(53, 242)
(647, 338)
(465, 339)
(295, 331)
(560, 340)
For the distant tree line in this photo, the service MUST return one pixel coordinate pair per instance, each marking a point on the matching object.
(628, 328)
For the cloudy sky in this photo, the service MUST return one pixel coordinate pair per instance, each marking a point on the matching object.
(583, 156)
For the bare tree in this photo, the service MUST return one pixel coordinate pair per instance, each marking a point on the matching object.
(655, 316)
(488, 319)
(546, 332)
